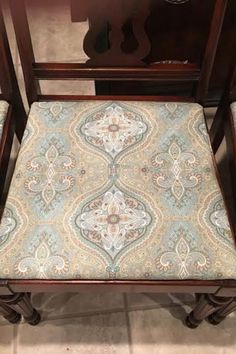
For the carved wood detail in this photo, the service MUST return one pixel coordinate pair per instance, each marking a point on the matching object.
(177, 2)
(112, 16)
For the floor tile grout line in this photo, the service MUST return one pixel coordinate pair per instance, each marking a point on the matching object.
(109, 311)
(128, 323)
(156, 307)
(82, 315)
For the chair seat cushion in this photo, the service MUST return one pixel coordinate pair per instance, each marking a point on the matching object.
(3, 113)
(116, 190)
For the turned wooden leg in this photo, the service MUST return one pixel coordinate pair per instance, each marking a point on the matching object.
(20, 303)
(222, 313)
(206, 305)
(9, 314)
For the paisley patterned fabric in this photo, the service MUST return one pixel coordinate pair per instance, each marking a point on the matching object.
(116, 190)
(3, 113)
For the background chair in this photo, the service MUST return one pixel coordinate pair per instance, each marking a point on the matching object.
(112, 64)
(224, 126)
(12, 120)
(12, 113)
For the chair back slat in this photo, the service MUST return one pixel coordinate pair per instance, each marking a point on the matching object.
(25, 48)
(8, 81)
(211, 47)
(6, 64)
(116, 60)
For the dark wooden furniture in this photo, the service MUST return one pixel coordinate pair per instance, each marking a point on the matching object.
(224, 126)
(16, 117)
(118, 65)
(177, 30)
(14, 123)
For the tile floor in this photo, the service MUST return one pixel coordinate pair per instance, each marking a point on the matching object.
(115, 323)
(102, 323)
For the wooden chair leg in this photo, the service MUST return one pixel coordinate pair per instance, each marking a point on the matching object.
(20, 303)
(218, 316)
(9, 314)
(207, 304)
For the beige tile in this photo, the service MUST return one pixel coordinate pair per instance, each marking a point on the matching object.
(60, 87)
(6, 338)
(152, 300)
(59, 305)
(95, 334)
(157, 331)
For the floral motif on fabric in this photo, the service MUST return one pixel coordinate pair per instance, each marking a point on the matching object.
(55, 112)
(173, 111)
(8, 225)
(176, 170)
(44, 258)
(112, 222)
(183, 257)
(113, 129)
(198, 130)
(216, 219)
(11, 224)
(50, 175)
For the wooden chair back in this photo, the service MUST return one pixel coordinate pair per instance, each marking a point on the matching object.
(116, 62)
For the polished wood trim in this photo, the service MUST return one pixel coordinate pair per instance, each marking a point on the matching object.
(188, 286)
(157, 72)
(113, 98)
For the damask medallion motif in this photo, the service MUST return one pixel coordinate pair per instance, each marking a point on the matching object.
(49, 174)
(111, 223)
(55, 112)
(184, 257)
(8, 225)
(214, 216)
(11, 224)
(176, 170)
(198, 130)
(43, 257)
(173, 111)
(113, 128)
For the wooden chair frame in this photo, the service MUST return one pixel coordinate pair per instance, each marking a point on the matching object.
(16, 116)
(215, 294)
(224, 127)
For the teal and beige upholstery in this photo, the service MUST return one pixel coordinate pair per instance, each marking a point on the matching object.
(116, 190)
(3, 114)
